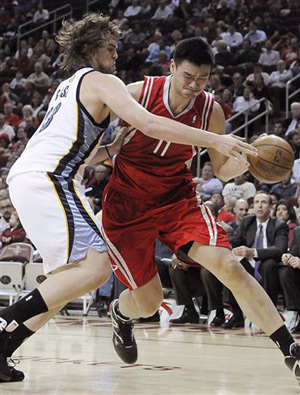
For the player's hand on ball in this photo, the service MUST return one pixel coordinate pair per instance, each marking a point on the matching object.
(234, 146)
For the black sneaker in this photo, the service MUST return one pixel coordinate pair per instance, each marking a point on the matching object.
(5, 370)
(123, 338)
(293, 361)
(16, 375)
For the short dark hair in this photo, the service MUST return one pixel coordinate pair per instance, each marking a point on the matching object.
(194, 50)
(290, 209)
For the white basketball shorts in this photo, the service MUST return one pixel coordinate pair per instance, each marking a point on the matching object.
(56, 216)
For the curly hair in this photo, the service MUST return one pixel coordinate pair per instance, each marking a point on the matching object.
(79, 40)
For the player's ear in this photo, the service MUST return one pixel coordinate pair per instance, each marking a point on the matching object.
(172, 66)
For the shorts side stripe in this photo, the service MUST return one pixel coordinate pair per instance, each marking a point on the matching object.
(84, 213)
(119, 261)
(67, 212)
(210, 223)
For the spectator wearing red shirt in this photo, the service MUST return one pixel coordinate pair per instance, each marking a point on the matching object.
(15, 233)
(10, 118)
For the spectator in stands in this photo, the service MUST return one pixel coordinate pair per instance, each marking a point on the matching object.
(259, 243)
(246, 55)
(98, 186)
(137, 37)
(240, 210)
(24, 45)
(290, 54)
(160, 45)
(237, 86)
(233, 38)
(278, 129)
(39, 78)
(240, 188)
(8, 96)
(207, 184)
(257, 69)
(285, 210)
(6, 209)
(22, 61)
(293, 138)
(27, 94)
(285, 189)
(221, 214)
(255, 35)
(227, 97)
(10, 118)
(289, 276)
(223, 57)
(41, 15)
(163, 11)
(18, 82)
(5, 128)
(246, 100)
(21, 138)
(15, 233)
(291, 122)
(268, 56)
(277, 84)
(226, 109)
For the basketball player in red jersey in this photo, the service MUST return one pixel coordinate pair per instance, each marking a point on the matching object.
(151, 195)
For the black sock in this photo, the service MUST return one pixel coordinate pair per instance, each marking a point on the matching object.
(220, 313)
(283, 340)
(25, 308)
(119, 314)
(15, 339)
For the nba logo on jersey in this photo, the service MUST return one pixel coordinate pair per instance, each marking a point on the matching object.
(194, 118)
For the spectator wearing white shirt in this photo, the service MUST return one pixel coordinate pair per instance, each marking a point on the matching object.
(269, 57)
(41, 15)
(242, 102)
(292, 122)
(208, 184)
(163, 11)
(277, 84)
(233, 38)
(133, 10)
(255, 36)
(5, 128)
(239, 188)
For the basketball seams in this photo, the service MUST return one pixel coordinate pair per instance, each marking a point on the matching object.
(265, 160)
(274, 145)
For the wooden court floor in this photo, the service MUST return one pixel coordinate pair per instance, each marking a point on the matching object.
(74, 355)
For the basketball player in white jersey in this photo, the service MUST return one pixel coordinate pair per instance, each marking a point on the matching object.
(45, 182)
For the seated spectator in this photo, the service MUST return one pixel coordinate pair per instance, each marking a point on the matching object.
(259, 243)
(257, 69)
(6, 209)
(187, 284)
(137, 37)
(6, 129)
(278, 129)
(289, 276)
(15, 233)
(207, 184)
(291, 123)
(240, 188)
(255, 35)
(285, 210)
(27, 94)
(18, 82)
(277, 84)
(223, 57)
(293, 138)
(21, 138)
(41, 15)
(8, 96)
(290, 54)
(237, 87)
(233, 38)
(133, 10)
(268, 56)
(163, 11)
(285, 189)
(246, 100)
(240, 210)
(160, 45)
(227, 97)
(10, 118)
(220, 213)
(246, 55)
(98, 185)
(39, 78)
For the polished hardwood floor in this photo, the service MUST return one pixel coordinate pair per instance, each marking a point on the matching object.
(74, 355)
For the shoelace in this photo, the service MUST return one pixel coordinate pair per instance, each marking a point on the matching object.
(12, 362)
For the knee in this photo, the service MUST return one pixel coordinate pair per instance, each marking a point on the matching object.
(97, 274)
(232, 272)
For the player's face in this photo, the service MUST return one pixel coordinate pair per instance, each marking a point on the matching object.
(189, 80)
(105, 58)
(262, 207)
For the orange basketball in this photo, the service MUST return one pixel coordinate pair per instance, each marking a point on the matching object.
(275, 159)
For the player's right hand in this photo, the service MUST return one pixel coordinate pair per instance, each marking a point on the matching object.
(230, 145)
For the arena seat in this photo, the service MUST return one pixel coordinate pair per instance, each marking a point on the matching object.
(11, 280)
(17, 252)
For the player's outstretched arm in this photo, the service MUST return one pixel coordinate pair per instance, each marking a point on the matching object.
(112, 92)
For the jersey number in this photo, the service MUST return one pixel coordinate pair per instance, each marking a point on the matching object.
(164, 150)
(49, 117)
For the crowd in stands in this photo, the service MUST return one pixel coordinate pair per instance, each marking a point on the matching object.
(257, 51)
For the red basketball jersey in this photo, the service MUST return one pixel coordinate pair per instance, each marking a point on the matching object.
(151, 168)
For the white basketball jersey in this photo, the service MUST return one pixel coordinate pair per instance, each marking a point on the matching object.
(68, 137)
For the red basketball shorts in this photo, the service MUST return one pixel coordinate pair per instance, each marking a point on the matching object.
(131, 226)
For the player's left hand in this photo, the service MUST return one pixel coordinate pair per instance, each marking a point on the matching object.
(120, 134)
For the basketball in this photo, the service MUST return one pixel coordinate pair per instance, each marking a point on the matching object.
(275, 159)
